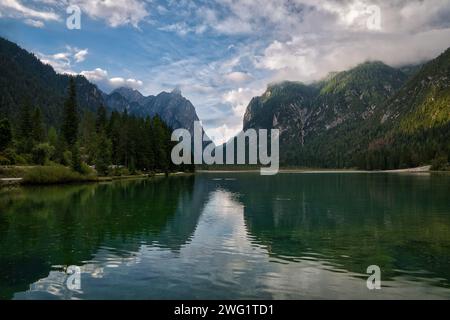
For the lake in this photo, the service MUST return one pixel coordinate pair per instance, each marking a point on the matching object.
(229, 236)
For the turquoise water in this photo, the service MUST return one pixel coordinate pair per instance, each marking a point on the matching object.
(229, 236)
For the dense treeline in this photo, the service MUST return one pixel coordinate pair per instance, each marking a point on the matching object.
(114, 144)
(364, 150)
(408, 150)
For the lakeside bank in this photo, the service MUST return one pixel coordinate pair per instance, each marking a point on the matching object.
(60, 175)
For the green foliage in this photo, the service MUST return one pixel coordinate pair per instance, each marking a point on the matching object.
(103, 156)
(88, 137)
(120, 171)
(5, 134)
(25, 129)
(70, 118)
(52, 137)
(54, 174)
(12, 172)
(86, 170)
(38, 131)
(13, 157)
(440, 164)
(76, 158)
(372, 117)
(67, 158)
(4, 161)
(42, 153)
(25, 79)
(101, 119)
(81, 131)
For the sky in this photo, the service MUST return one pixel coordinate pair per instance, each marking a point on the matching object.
(221, 53)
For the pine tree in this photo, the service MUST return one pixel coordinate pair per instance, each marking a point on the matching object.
(70, 121)
(76, 158)
(25, 129)
(101, 119)
(52, 137)
(25, 126)
(5, 134)
(114, 135)
(103, 157)
(88, 136)
(38, 131)
(160, 145)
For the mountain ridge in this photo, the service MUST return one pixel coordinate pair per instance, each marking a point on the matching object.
(26, 79)
(342, 120)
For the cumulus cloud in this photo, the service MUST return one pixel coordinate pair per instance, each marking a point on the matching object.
(231, 49)
(300, 40)
(240, 98)
(224, 119)
(115, 13)
(96, 75)
(102, 79)
(64, 61)
(31, 16)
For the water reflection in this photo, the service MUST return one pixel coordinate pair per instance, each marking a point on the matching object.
(230, 236)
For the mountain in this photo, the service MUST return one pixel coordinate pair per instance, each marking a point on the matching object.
(414, 127)
(174, 109)
(313, 117)
(131, 95)
(24, 78)
(424, 102)
(357, 117)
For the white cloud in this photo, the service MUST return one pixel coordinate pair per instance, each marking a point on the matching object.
(237, 76)
(80, 56)
(101, 78)
(223, 133)
(35, 23)
(121, 82)
(181, 29)
(63, 62)
(240, 98)
(15, 7)
(95, 75)
(115, 13)
(310, 59)
(31, 16)
(304, 40)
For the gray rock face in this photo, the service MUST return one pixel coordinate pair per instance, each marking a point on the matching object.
(174, 109)
(338, 106)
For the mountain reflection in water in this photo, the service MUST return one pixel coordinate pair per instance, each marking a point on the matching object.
(229, 236)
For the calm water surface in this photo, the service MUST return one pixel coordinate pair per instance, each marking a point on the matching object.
(229, 236)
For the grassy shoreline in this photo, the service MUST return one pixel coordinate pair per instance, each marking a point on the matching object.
(60, 175)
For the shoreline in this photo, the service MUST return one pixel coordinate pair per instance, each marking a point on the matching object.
(423, 169)
(13, 182)
(19, 181)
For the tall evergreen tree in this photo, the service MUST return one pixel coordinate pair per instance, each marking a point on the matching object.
(52, 136)
(5, 134)
(103, 157)
(38, 131)
(25, 122)
(76, 158)
(88, 136)
(101, 119)
(25, 129)
(70, 121)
